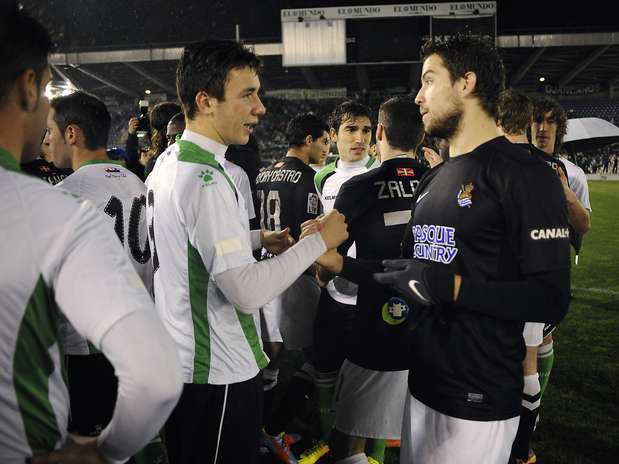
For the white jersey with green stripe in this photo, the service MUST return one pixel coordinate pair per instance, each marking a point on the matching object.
(199, 228)
(120, 196)
(50, 266)
(328, 182)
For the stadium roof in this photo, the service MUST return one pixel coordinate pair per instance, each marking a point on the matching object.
(116, 48)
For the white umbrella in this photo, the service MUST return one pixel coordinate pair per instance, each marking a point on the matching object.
(587, 133)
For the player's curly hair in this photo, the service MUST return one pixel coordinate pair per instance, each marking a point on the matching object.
(543, 105)
(347, 110)
(465, 53)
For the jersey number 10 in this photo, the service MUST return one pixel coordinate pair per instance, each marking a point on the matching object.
(114, 208)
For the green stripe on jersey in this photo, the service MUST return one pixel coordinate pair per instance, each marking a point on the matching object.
(370, 162)
(321, 176)
(251, 334)
(32, 367)
(8, 161)
(198, 296)
(192, 153)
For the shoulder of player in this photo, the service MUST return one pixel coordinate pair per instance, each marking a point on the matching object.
(321, 176)
(512, 158)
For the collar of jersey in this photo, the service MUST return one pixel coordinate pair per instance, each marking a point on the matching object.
(106, 161)
(7, 161)
(206, 144)
(354, 164)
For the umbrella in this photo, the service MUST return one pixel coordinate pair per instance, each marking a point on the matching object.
(589, 133)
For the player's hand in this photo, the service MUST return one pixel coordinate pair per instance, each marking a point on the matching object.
(432, 157)
(310, 227)
(333, 228)
(419, 282)
(276, 242)
(72, 453)
(133, 125)
(332, 261)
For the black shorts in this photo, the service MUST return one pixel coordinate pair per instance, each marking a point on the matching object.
(217, 424)
(333, 331)
(548, 329)
(93, 388)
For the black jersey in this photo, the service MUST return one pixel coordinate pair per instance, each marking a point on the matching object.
(287, 195)
(377, 207)
(552, 161)
(45, 171)
(494, 214)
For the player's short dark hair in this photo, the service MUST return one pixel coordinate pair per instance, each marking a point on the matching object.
(303, 125)
(178, 119)
(515, 112)
(205, 66)
(402, 122)
(543, 105)
(347, 110)
(24, 44)
(86, 112)
(464, 53)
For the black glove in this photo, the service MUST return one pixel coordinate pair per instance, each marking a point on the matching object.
(421, 283)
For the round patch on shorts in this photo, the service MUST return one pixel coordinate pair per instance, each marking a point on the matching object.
(395, 311)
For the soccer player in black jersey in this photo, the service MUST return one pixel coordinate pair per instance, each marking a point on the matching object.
(287, 198)
(371, 387)
(485, 254)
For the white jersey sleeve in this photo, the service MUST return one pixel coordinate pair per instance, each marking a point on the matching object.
(65, 260)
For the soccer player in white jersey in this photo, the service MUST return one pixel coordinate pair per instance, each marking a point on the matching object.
(351, 130)
(208, 287)
(60, 259)
(77, 131)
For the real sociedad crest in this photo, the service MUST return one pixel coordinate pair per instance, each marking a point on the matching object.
(395, 311)
(465, 195)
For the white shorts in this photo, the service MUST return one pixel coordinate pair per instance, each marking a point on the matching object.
(429, 437)
(533, 333)
(370, 403)
(270, 323)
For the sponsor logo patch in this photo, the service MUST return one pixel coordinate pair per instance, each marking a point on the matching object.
(207, 176)
(551, 233)
(312, 203)
(435, 243)
(395, 311)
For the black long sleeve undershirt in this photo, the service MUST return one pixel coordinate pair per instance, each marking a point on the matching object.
(542, 297)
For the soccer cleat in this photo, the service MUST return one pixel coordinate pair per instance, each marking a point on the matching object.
(279, 445)
(393, 443)
(314, 453)
(371, 460)
(532, 459)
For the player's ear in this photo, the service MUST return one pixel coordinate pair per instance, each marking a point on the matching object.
(71, 134)
(468, 83)
(333, 135)
(380, 131)
(309, 140)
(204, 103)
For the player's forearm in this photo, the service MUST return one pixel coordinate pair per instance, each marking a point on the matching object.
(577, 214)
(544, 297)
(251, 286)
(149, 383)
(360, 271)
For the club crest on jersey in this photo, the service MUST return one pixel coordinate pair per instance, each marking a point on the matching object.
(405, 172)
(395, 311)
(312, 203)
(465, 195)
(206, 176)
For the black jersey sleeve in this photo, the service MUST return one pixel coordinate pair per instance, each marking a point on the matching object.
(307, 202)
(352, 200)
(360, 271)
(536, 218)
(542, 297)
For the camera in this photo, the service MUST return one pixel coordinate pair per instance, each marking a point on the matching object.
(143, 119)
